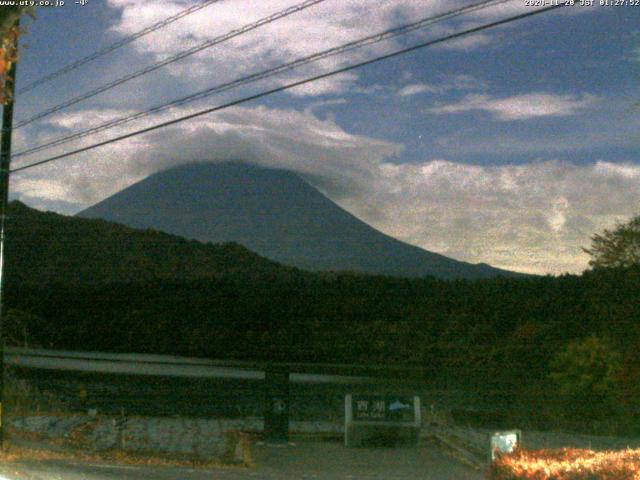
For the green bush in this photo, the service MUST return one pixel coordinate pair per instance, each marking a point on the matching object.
(586, 378)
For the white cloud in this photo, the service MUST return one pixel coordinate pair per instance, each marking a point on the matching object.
(489, 14)
(314, 106)
(470, 42)
(42, 189)
(285, 138)
(613, 170)
(532, 217)
(330, 85)
(88, 117)
(519, 107)
(316, 28)
(557, 218)
(416, 88)
(375, 89)
(465, 82)
(507, 9)
(319, 27)
(449, 83)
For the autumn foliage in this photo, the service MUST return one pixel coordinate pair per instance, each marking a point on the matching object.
(8, 55)
(9, 32)
(567, 464)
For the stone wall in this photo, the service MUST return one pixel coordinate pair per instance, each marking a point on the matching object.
(194, 436)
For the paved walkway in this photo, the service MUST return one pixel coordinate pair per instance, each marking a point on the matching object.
(305, 460)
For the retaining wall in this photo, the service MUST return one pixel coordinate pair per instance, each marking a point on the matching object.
(202, 437)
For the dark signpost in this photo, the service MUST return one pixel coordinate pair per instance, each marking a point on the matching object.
(377, 420)
(276, 405)
(379, 408)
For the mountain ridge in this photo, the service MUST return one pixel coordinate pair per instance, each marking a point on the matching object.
(275, 213)
(46, 247)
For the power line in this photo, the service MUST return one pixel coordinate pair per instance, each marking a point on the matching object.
(293, 85)
(366, 41)
(116, 45)
(179, 56)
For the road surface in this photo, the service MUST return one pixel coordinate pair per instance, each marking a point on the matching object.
(306, 460)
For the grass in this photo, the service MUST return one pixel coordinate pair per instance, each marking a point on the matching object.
(12, 453)
(567, 464)
(22, 398)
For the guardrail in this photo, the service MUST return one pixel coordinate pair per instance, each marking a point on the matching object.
(160, 365)
(300, 367)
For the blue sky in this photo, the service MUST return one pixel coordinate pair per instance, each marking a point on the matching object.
(509, 147)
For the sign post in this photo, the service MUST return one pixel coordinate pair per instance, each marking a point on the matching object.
(504, 442)
(276, 405)
(381, 420)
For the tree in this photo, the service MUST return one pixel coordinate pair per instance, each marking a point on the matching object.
(9, 16)
(9, 32)
(586, 373)
(617, 248)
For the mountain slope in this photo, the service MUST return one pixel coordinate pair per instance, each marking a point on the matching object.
(45, 247)
(274, 213)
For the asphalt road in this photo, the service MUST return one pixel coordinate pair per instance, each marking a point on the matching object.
(307, 460)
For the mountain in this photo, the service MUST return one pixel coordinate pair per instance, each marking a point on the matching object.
(275, 213)
(45, 248)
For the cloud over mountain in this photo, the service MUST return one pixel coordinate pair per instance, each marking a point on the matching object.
(531, 217)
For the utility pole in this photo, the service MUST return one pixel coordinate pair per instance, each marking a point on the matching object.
(5, 166)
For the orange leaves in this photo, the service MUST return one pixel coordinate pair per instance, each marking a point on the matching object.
(567, 464)
(4, 65)
(8, 55)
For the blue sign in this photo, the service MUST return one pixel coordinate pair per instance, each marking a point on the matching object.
(387, 408)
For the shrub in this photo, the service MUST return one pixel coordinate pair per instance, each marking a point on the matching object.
(586, 376)
(22, 398)
(567, 464)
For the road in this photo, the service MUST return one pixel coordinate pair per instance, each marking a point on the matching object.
(306, 460)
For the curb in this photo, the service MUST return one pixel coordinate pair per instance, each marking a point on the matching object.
(459, 452)
(40, 445)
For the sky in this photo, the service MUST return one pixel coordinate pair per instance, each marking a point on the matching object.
(511, 147)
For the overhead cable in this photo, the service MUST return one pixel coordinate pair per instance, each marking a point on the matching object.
(114, 46)
(291, 85)
(174, 58)
(366, 41)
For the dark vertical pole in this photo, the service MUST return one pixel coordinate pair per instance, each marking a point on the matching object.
(5, 165)
(276, 407)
